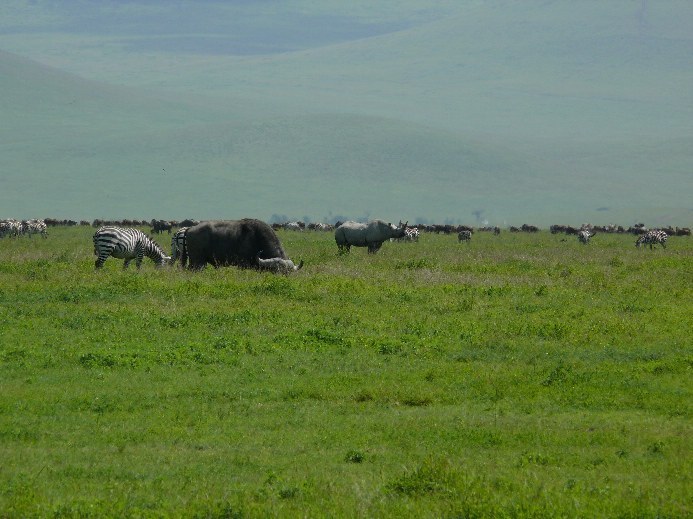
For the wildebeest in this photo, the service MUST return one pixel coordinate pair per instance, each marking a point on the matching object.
(161, 226)
(232, 242)
(188, 222)
(464, 236)
(371, 235)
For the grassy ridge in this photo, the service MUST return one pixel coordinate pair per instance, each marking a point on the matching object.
(516, 375)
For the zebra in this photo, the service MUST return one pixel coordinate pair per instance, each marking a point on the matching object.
(13, 228)
(464, 236)
(5, 228)
(411, 234)
(35, 227)
(653, 238)
(584, 237)
(293, 226)
(179, 247)
(126, 244)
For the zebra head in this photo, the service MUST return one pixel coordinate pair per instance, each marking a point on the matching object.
(164, 260)
(156, 253)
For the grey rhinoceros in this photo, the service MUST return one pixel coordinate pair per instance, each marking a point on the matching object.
(371, 234)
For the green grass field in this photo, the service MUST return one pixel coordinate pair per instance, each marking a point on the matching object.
(515, 376)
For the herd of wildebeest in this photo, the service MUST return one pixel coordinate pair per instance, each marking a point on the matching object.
(252, 243)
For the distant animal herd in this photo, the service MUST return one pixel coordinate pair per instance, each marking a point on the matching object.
(251, 243)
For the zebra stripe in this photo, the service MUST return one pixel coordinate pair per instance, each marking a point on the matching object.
(411, 234)
(126, 244)
(464, 236)
(13, 228)
(179, 246)
(653, 238)
(35, 227)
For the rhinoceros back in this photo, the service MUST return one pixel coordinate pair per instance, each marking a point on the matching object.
(232, 242)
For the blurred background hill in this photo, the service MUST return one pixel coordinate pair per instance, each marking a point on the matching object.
(465, 112)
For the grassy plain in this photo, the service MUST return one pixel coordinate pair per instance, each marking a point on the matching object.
(515, 376)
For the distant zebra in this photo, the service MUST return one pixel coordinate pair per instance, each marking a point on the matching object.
(293, 226)
(584, 237)
(126, 244)
(5, 228)
(410, 234)
(464, 236)
(11, 228)
(653, 238)
(35, 227)
(179, 247)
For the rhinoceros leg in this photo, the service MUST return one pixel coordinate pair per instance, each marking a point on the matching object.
(374, 247)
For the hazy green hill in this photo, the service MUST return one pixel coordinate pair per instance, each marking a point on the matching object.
(530, 111)
(113, 152)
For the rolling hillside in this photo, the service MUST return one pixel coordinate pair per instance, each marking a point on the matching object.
(117, 152)
(531, 111)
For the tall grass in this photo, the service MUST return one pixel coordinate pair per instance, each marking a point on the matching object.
(519, 375)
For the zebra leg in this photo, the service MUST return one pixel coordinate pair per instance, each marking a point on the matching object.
(126, 263)
(99, 262)
(139, 255)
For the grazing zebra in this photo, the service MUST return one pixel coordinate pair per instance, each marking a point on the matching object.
(12, 228)
(411, 234)
(464, 236)
(126, 244)
(35, 227)
(293, 226)
(5, 228)
(653, 238)
(179, 247)
(584, 237)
